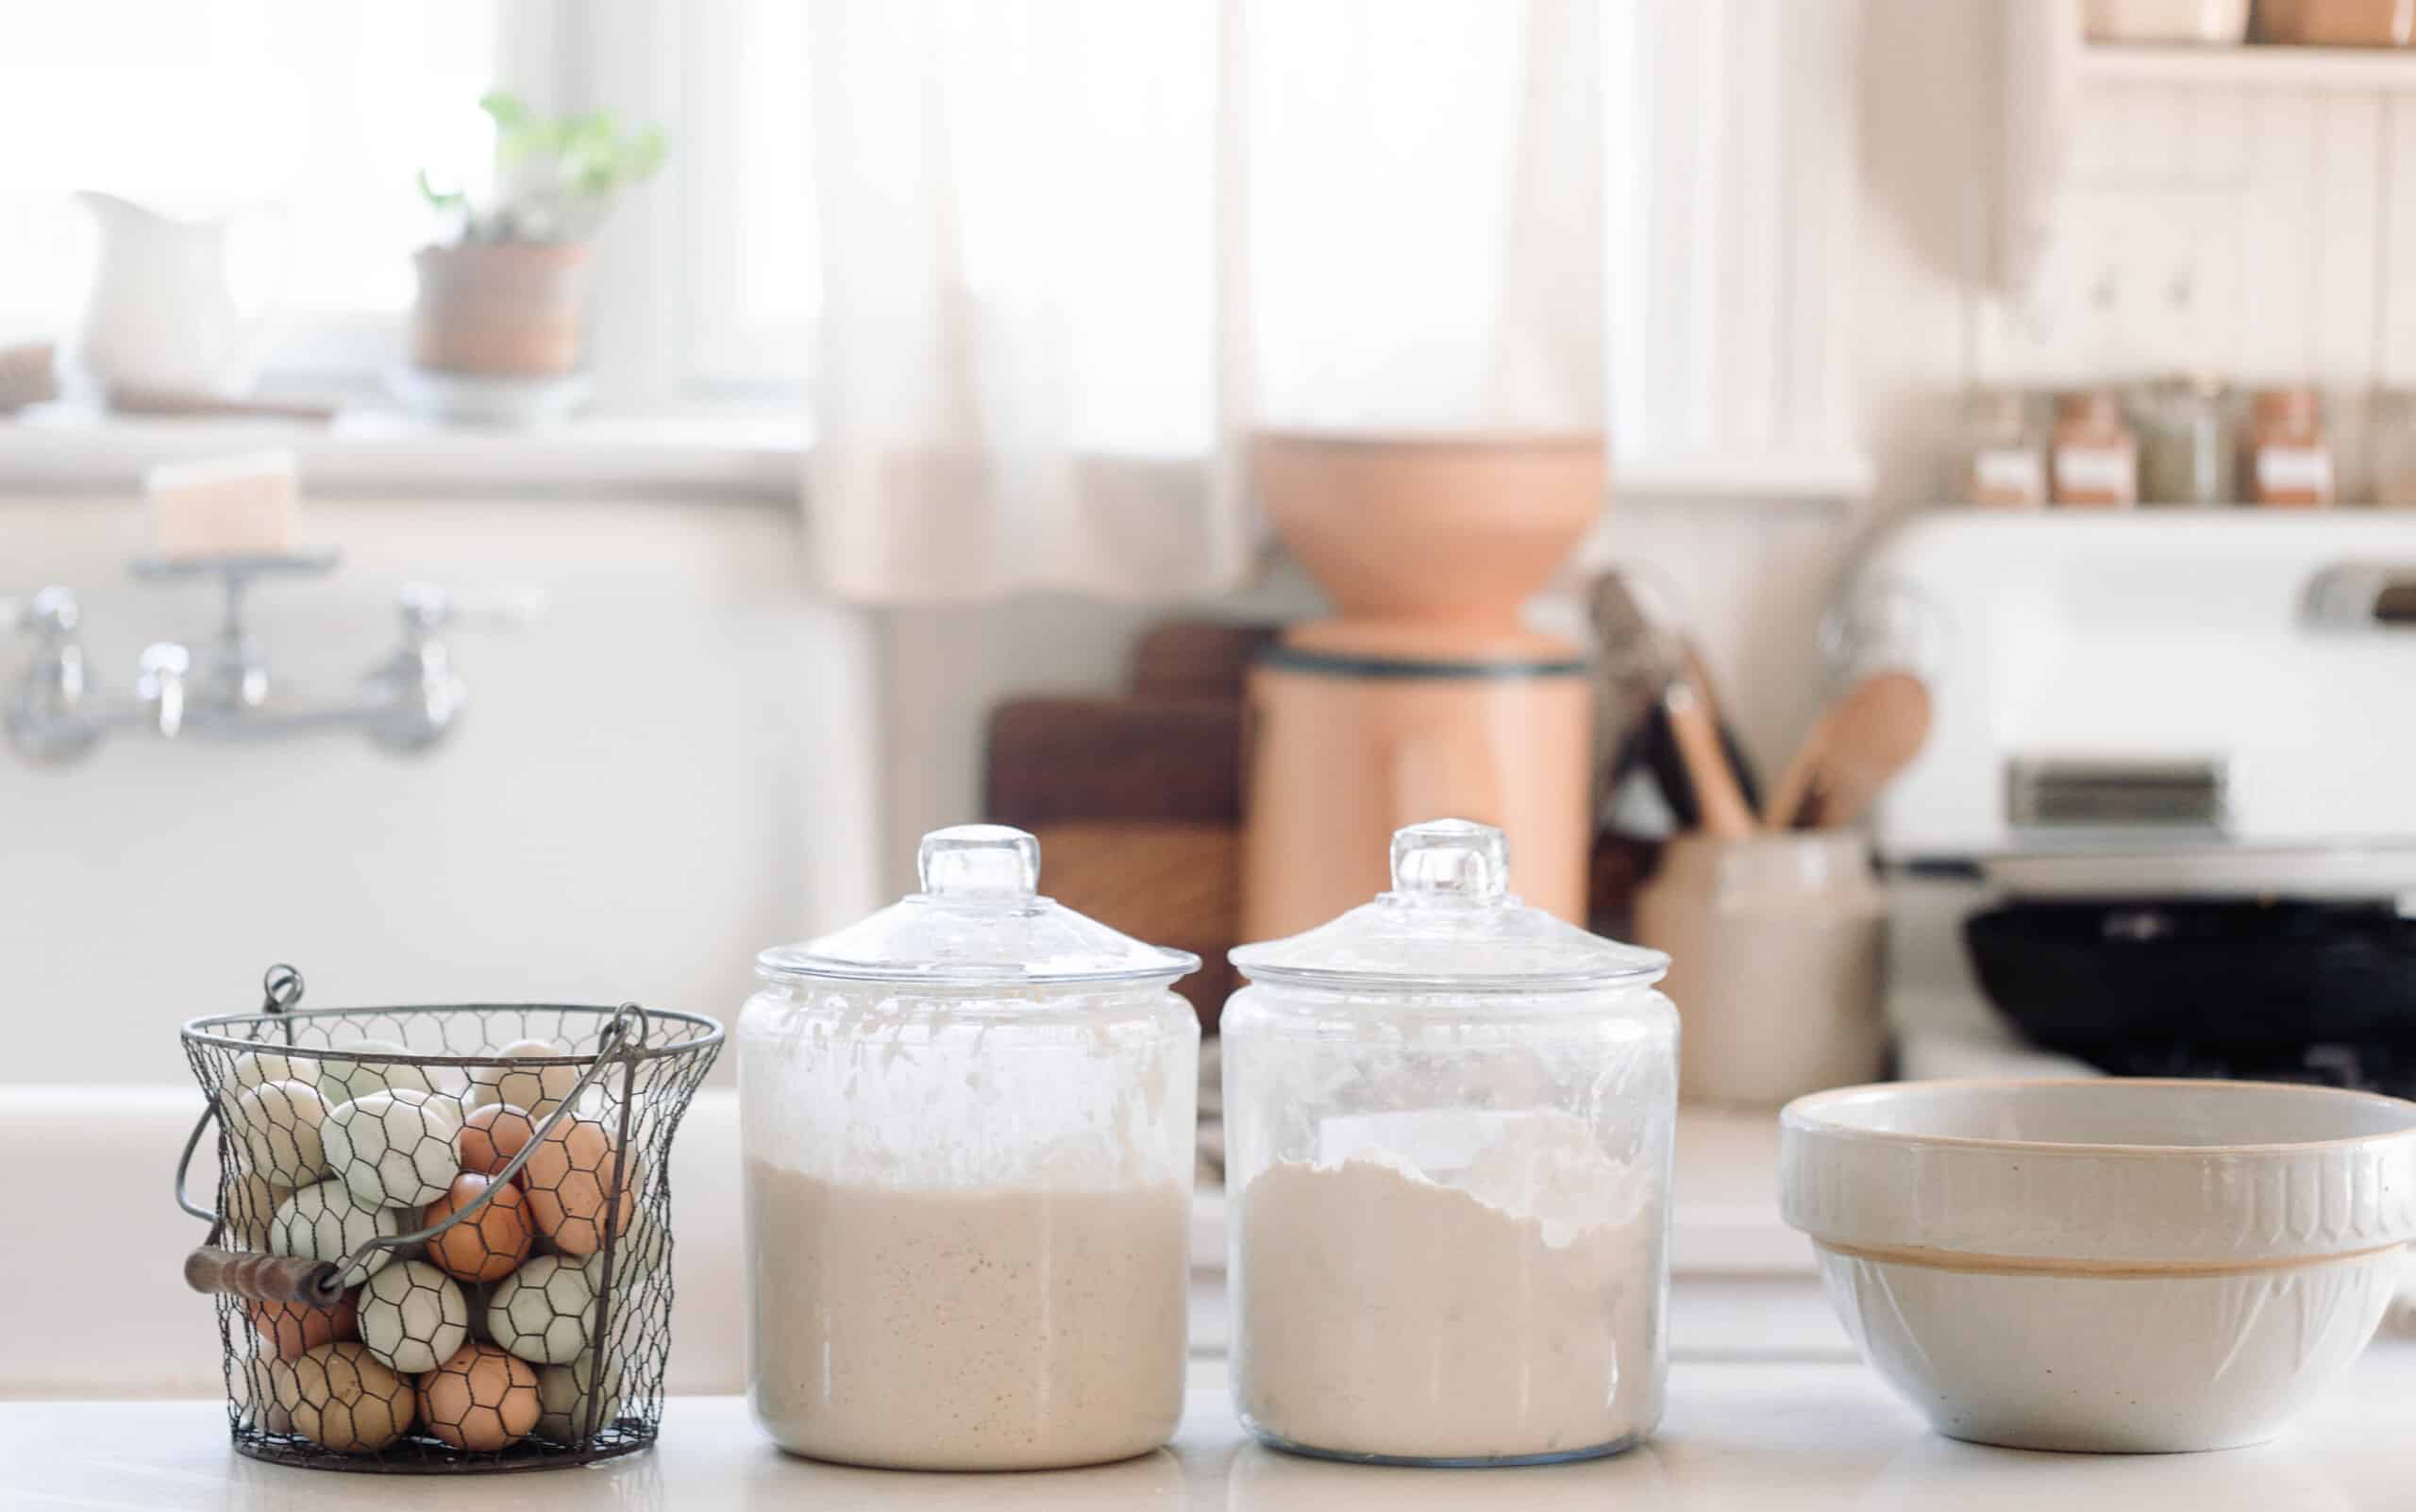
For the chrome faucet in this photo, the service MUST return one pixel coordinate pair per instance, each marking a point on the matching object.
(408, 702)
(48, 719)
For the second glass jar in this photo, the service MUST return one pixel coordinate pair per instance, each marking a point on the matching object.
(1449, 1123)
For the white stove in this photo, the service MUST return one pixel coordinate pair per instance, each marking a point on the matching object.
(2156, 706)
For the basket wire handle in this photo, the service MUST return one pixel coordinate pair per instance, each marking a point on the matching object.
(600, 1337)
(320, 1283)
(280, 989)
(615, 1044)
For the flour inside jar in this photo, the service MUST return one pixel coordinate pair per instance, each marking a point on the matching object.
(982, 1329)
(1511, 1312)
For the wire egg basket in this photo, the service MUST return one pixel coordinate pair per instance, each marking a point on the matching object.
(442, 1239)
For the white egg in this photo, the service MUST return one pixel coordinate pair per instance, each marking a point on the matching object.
(398, 1148)
(562, 1390)
(249, 1201)
(638, 1252)
(542, 1312)
(322, 1221)
(278, 1126)
(348, 1080)
(413, 1317)
(272, 1066)
(537, 1088)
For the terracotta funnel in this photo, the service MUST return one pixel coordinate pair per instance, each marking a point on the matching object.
(1445, 533)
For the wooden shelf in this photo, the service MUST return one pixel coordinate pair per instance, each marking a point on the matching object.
(2337, 69)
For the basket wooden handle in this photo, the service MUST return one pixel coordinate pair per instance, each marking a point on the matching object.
(272, 1278)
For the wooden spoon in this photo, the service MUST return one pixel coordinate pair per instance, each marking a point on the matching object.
(1856, 749)
(1722, 804)
(1642, 661)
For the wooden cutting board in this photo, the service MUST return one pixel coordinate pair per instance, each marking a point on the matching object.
(1138, 756)
(1198, 659)
(1174, 884)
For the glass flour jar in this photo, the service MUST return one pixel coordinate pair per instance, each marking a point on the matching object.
(968, 1123)
(1448, 1122)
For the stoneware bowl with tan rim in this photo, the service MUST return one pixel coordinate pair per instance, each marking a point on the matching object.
(2105, 1264)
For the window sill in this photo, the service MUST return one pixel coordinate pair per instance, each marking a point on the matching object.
(752, 454)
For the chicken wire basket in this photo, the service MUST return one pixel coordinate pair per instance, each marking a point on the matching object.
(442, 1239)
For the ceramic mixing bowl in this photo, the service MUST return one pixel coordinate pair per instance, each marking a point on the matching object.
(2106, 1264)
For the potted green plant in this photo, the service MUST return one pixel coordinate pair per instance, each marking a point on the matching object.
(504, 298)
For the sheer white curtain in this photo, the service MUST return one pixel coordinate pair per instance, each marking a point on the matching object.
(1073, 250)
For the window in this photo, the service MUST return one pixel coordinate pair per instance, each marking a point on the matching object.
(325, 109)
(311, 117)
(749, 234)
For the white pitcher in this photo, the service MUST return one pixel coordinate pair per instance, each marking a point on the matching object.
(163, 314)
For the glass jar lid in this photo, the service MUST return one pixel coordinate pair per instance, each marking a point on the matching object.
(977, 922)
(1450, 924)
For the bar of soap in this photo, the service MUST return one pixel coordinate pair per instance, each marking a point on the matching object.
(238, 506)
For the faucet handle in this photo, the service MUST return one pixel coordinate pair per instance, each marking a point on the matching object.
(52, 613)
(159, 685)
(428, 608)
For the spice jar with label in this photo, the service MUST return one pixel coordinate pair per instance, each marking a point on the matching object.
(2337, 23)
(1449, 1120)
(2185, 448)
(2390, 448)
(2286, 459)
(968, 1123)
(2164, 22)
(2094, 460)
(2005, 465)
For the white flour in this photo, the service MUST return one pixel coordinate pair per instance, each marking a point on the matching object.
(935, 1330)
(1382, 1313)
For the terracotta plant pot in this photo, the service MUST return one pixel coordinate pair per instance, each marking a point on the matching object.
(1443, 532)
(500, 308)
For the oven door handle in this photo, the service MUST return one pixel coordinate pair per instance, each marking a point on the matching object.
(2362, 596)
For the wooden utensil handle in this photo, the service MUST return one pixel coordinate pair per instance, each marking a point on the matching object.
(1789, 800)
(263, 1277)
(1724, 814)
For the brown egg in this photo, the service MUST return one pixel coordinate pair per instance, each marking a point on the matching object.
(492, 1136)
(272, 1390)
(565, 1181)
(291, 1329)
(346, 1401)
(481, 1400)
(489, 1244)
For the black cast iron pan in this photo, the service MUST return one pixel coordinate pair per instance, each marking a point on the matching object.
(2111, 979)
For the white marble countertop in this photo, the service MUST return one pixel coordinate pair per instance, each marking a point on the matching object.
(1755, 1435)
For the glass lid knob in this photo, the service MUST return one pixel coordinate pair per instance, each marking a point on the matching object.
(979, 861)
(1450, 859)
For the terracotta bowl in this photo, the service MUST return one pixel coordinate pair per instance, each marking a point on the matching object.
(2105, 1264)
(1434, 530)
